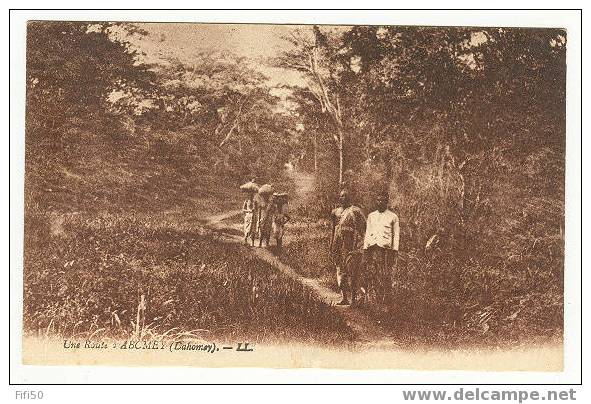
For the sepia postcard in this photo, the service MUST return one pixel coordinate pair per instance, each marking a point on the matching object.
(294, 196)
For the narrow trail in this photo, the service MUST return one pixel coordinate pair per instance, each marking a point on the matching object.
(368, 333)
(216, 219)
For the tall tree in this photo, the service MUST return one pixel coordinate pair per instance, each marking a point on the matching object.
(314, 54)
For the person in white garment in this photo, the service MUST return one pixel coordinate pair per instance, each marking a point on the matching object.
(380, 245)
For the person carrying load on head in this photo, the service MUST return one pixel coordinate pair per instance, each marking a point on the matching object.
(381, 247)
(249, 209)
(280, 218)
(348, 227)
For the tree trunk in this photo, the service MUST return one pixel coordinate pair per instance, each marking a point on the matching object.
(368, 147)
(315, 143)
(388, 166)
(340, 147)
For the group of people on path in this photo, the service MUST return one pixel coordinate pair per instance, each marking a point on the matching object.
(265, 214)
(363, 250)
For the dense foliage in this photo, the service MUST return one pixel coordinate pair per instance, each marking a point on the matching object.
(104, 126)
(466, 129)
(464, 126)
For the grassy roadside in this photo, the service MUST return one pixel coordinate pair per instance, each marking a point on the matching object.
(306, 250)
(85, 276)
(441, 301)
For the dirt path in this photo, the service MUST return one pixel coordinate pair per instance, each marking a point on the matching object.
(216, 219)
(367, 331)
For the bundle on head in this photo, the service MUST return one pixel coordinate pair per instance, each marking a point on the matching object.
(266, 189)
(250, 186)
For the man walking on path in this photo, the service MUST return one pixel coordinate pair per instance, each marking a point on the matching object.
(348, 226)
(381, 247)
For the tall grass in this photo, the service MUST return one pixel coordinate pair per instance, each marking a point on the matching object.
(131, 278)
